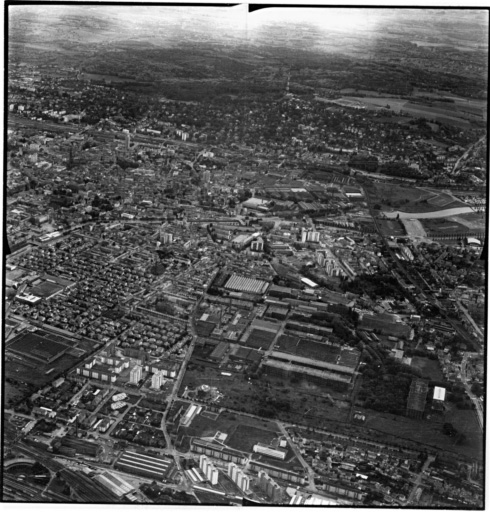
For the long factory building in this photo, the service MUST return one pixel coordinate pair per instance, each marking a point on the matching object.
(246, 284)
(150, 466)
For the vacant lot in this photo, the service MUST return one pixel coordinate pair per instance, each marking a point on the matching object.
(430, 368)
(298, 402)
(227, 422)
(411, 199)
(15, 393)
(391, 227)
(429, 432)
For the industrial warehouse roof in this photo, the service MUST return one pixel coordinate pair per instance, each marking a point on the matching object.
(115, 483)
(282, 356)
(151, 464)
(322, 374)
(246, 284)
(308, 282)
(255, 202)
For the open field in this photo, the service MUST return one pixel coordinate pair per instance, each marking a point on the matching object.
(429, 367)
(245, 437)
(390, 227)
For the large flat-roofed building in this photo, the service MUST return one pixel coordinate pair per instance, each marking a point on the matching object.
(270, 451)
(416, 398)
(246, 284)
(191, 412)
(150, 466)
(439, 393)
(337, 375)
(313, 363)
(105, 374)
(217, 451)
(219, 352)
(167, 368)
(284, 369)
(242, 241)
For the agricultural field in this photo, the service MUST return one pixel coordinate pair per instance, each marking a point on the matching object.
(454, 113)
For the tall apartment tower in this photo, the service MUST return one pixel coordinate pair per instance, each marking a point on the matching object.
(157, 380)
(135, 374)
(232, 470)
(243, 481)
(203, 463)
(212, 475)
(269, 486)
(167, 238)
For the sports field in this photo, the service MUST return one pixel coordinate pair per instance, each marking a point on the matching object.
(37, 347)
(46, 289)
(411, 199)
